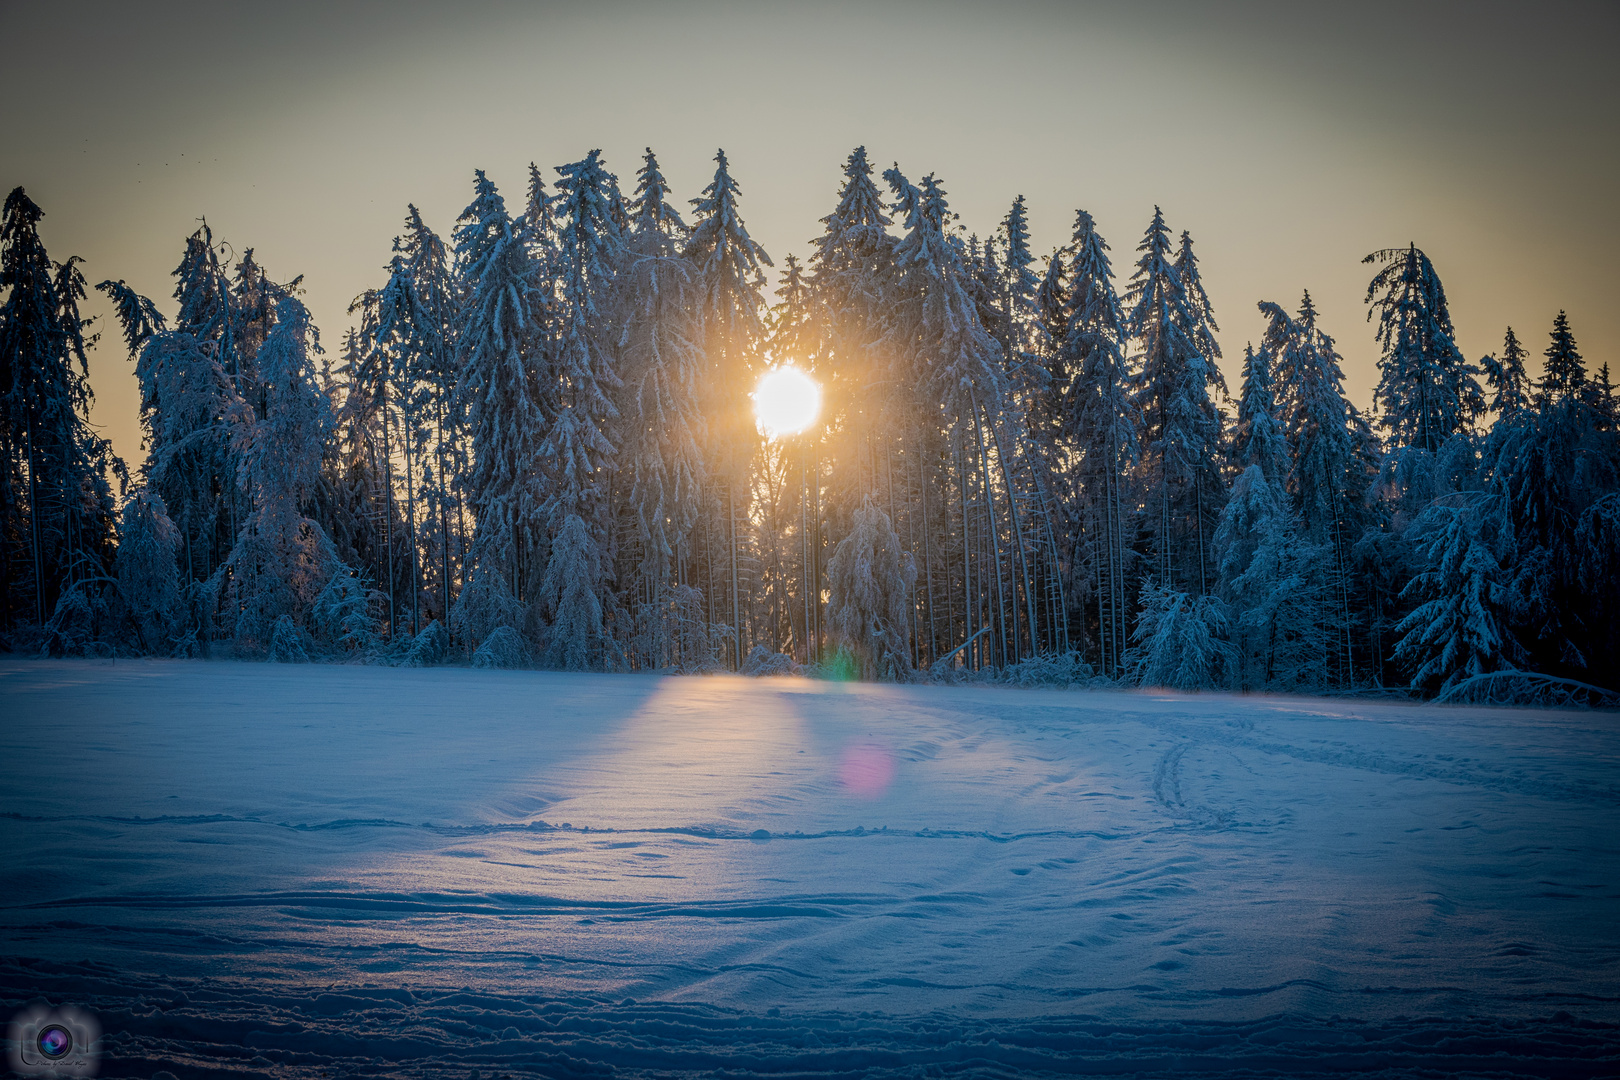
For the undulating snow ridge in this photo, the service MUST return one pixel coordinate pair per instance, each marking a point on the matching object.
(290, 870)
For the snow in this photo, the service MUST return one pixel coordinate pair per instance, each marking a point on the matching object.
(309, 870)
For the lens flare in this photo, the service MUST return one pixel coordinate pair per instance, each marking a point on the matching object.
(866, 770)
(786, 401)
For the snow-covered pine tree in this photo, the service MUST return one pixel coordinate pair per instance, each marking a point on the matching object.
(1181, 422)
(795, 336)
(662, 426)
(850, 273)
(282, 558)
(198, 393)
(870, 581)
(1458, 631)
(537, 229)
(1426, 391)
(1510, 386)
(1028, 349)
(1276, 583)
(362, 514)
(203, 290)
(439, 442)
(1257, 437)
(138, 318)
(730, 274)
(56, 507)
(1051, 307)
(1028, 354)
(943, 353)
(406, 334)
(1564, 375)
(501, 387)
(1603, 391)
(1098, 424)
(1554, 462)
(148, 571)
(590, 254)
(852, 255)
(1179, 641)
(1200, 314)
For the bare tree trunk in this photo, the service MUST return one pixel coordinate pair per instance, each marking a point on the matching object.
(388, 500)
(33, 516)
(1018, 532)
(928, 562)
(995, 544)
(736, 600)
(967, 558)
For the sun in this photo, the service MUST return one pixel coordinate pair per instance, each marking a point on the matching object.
(786, 401)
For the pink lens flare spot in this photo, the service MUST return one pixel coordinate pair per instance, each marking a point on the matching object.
(866, 770)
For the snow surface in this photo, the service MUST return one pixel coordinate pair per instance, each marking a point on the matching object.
(323, 870)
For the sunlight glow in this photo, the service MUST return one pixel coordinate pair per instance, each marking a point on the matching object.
(786, 401)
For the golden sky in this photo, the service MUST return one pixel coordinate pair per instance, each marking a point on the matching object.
(1291, 139)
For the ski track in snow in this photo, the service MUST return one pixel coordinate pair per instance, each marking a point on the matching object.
(250, 869)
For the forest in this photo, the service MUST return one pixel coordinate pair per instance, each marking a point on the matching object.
(535, 446)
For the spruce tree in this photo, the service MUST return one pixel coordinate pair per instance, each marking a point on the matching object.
(663, 427)
(56, 506)
(148, 571)
(433, 373)
(590, 253)
(1098, 423)
(1276, 583)
(1458, 631)
(282, 558)
(1181, 422)
(730, 275)
(500, 389)
(1510, 386)
(1564, 374)
(1426, 391)
(870, 579)
(1257, 437)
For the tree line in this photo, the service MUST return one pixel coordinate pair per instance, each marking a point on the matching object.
(535, 446)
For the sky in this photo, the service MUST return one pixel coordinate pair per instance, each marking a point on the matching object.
(1290, 139)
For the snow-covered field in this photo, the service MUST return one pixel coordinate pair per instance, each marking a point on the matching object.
(335, 871)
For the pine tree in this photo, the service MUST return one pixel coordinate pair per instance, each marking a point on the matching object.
(1276, 583)
(1564, 374)
(281, 559)
(943, 349)
(1178, 642)
(56, 507)
(851, 275)
(1182, 423)
(870, 579)
(1019, 288)
(1509, 384)
(1607, 404)
(501, 388)
(590, 252)
(148, 571)
(730, 277)
(1200, 314)
(433, 373)
(663, 428)
(1257, 437)
(1098, 424)
(1426, 391)
(1554, 462)
(1458, 631)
